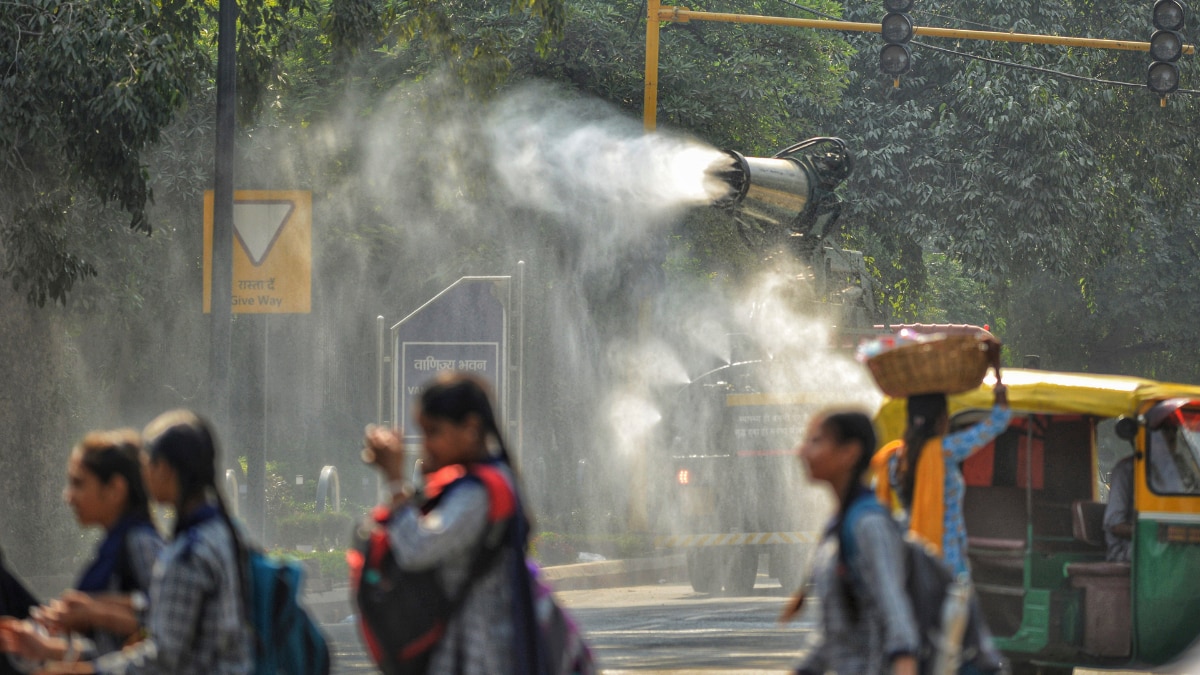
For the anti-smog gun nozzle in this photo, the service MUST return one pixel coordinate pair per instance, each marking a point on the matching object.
(789, 194)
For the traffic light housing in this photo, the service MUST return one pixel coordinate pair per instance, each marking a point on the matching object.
(895, 56)
(1166, 46)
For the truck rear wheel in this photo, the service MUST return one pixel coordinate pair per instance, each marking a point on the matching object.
(741, 570)
(1032, 669)
(787, 565)
(703, 571)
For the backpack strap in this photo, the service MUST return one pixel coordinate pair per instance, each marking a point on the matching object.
(862, 503)
(502, 511)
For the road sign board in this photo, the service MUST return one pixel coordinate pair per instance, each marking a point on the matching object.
(272, 260)
(465, 328)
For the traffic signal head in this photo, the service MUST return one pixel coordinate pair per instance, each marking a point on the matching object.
(896, 28)
(897, 5)
(1168, 14)
(1166, 46)
(895, 59)
(1162, 77)
(895, 56)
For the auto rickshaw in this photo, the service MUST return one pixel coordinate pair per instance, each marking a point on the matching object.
(1034, 509)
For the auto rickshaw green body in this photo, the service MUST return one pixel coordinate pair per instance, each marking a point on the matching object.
(1033, 509)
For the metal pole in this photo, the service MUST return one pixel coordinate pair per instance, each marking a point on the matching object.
(520, 353)
(380, 376)
(221, 308)
(683, 15)
(1031, 420)
(650, 99)
(256, 445)
(379, 369)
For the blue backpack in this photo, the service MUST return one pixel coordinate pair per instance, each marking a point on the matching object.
(287, 640)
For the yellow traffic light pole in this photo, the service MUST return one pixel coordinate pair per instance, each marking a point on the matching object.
(658, 13)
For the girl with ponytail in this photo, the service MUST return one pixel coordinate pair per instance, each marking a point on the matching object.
(463, 456)
(868, 625)
(196, 620)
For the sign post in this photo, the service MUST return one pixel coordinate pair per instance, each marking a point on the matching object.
(271, 242)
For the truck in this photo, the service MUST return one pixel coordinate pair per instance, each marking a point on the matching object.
(728, 489)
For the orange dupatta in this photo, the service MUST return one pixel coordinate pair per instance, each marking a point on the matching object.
(927, 515)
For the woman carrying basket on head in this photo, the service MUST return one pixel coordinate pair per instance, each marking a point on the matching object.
(920, 474)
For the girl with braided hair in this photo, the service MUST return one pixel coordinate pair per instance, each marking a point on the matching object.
(868, 625)
(468, 473)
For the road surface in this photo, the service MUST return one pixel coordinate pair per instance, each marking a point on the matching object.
(668, 628)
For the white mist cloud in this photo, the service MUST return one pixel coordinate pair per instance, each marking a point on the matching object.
(594, 167)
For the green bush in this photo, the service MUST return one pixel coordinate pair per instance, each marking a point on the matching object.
(322, 531)
(551, 548)
(326, 564)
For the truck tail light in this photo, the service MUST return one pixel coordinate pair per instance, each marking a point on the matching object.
(683, 477)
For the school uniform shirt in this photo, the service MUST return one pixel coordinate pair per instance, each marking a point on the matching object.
(142, 546)
(196, 622)
(885, 625)
(480, 636)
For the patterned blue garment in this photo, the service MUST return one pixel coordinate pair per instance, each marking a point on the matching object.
(956, 448)
(196, 622)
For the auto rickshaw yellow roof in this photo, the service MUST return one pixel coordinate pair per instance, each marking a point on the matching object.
(1045, 391)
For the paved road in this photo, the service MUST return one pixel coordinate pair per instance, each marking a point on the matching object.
(668, 628)
(665, 627)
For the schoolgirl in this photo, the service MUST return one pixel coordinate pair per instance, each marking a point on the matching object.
(868, 626)
(487, 634)
(104, 489)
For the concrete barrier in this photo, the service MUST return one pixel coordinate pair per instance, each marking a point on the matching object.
(609, 573)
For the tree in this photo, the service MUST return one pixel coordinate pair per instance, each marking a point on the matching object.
(1031, 182)
(90, 86)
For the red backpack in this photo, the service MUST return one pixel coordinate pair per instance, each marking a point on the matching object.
(403, 614)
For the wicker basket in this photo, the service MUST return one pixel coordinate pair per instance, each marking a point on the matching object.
(948, 364)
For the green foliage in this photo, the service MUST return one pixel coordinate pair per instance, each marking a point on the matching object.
(551, 548)
(733, 85)
(323, 531)
(87, 87)
(1066, 200)
(325, 564)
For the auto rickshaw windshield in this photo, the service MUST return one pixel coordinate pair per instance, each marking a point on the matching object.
(1174, 466)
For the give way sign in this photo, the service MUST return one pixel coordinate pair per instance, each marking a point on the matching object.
(272, 253)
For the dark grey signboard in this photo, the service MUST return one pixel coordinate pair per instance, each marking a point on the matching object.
(465, 327)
